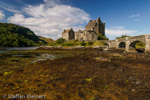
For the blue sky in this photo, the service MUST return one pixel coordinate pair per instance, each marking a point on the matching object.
(49, 17)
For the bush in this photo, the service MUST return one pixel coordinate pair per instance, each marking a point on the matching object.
(83, 43)
(68, 44)
(98, 43)
(76, 40)
(90, 43)
(100, 37)
(60, 41)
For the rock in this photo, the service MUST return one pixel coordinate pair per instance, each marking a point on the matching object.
(133, 90)
(138, 82)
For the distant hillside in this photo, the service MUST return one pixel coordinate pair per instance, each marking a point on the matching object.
(12, 35)
(47, 41)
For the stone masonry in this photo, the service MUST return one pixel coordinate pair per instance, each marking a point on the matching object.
(92, 29)
(68, 34)
(131, 42)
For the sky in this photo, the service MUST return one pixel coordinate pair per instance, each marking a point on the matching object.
(48, 18)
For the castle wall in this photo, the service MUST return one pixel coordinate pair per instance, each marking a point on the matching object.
(68, 34)
(93, 36)
(79, 35)
(71, 35)
(86, 35)
(65, 35)
(92, 29)
(102, 29)
(96, 26)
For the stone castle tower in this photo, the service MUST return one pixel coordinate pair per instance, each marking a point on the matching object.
(68, 34)
(92, 29)
(97, 26)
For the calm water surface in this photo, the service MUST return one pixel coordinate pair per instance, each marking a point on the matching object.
(7, 49)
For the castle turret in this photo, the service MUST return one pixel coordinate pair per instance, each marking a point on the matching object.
(90, 21)
(98, 19)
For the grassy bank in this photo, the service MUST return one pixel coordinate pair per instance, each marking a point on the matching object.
(81, 43)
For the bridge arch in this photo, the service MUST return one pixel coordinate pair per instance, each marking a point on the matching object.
(131, 43)
(133, 46)
(122, 44)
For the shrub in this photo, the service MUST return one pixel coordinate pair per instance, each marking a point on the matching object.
(90, 43)
(100, 37)
(60, 41)
(76, 40)
(98, 43)
(83, 43)
(68, 44)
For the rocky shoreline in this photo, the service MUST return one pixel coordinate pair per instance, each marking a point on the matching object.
(101, 48)
(94, 74)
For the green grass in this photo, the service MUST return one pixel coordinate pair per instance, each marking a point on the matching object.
(7, 73)
(81, 43)
(98, 43)
(88, 80)
(140, 45)
(120, 58)
(48, 41)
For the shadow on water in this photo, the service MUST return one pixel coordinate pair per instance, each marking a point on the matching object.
(140, 50)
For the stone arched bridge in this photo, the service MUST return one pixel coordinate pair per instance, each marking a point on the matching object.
(130, 42)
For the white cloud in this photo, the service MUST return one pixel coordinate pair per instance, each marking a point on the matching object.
(117, 31)
(2, 16)
(49, 21)
(135, 15)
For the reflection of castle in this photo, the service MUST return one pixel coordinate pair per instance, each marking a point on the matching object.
(92, 29)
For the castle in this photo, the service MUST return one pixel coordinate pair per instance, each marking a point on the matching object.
(92, 29)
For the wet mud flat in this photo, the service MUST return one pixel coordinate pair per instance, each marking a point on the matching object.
(92, 75)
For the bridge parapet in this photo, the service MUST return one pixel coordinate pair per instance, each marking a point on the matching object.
(112, 40)
(122, 40)
(135, 37)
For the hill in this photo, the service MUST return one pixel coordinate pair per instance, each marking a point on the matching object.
(12, 35)
(47, 41)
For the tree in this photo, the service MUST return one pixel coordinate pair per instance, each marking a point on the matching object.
(123, 36)
(12, 35)
(60, 41)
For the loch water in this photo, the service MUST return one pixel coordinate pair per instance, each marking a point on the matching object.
(7, 49)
